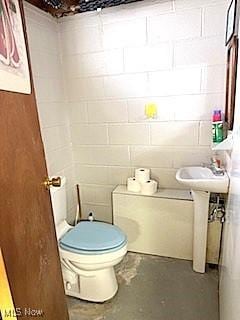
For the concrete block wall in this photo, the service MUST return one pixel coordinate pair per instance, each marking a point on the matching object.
(92, 87)
(116, 61)
(42, 32)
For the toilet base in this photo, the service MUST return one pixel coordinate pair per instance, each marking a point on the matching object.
(91, 277)
(95, 286)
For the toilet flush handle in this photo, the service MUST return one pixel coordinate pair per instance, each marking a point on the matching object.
(52, 182)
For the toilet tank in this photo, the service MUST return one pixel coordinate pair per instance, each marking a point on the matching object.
(59, 202)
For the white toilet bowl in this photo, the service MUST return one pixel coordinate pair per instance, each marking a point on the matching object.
(88, 252)
(87, 262)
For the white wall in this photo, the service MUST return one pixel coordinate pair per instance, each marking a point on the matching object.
(42, 33)
(171, 52)
(114, 62)
(230, 269)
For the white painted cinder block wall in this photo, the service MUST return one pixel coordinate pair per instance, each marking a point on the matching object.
(114, 62)
(96, 83)
(42, 32)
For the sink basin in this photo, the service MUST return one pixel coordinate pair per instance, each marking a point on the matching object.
(202, 179)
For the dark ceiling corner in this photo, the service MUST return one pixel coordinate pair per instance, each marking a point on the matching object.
(60, 8)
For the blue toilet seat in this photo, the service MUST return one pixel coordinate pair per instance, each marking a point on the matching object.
(91, 238)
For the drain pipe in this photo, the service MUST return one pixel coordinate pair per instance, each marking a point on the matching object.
(217, 212)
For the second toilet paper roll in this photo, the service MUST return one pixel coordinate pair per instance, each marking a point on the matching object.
(133, 185)
(142, 175)
(149, 187)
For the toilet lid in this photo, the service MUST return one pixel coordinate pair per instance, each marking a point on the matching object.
(93, 236)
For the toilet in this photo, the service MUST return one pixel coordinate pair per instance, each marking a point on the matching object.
(88, 252)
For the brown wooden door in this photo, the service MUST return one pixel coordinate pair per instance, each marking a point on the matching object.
(27, 234)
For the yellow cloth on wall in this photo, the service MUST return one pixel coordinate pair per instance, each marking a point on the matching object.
(151, 110)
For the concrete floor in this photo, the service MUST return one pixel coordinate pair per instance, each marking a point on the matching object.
(155, 288)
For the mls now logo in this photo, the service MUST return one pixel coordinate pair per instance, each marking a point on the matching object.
(26, 312)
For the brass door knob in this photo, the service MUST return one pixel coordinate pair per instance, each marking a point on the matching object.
(53, 182)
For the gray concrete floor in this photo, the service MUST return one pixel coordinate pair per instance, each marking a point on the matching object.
(155, 288)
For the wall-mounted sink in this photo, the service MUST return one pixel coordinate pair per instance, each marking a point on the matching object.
(202, 181)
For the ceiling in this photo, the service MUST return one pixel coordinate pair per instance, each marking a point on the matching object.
(59, 8)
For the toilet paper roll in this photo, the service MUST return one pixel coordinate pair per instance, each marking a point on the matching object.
(149, 187)
(142, 175)
(133, 185)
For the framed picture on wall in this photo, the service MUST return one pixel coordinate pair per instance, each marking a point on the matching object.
(231, 19)
(14, 68)
(232, 55)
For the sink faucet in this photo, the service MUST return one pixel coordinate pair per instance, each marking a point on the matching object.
(215, 168)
